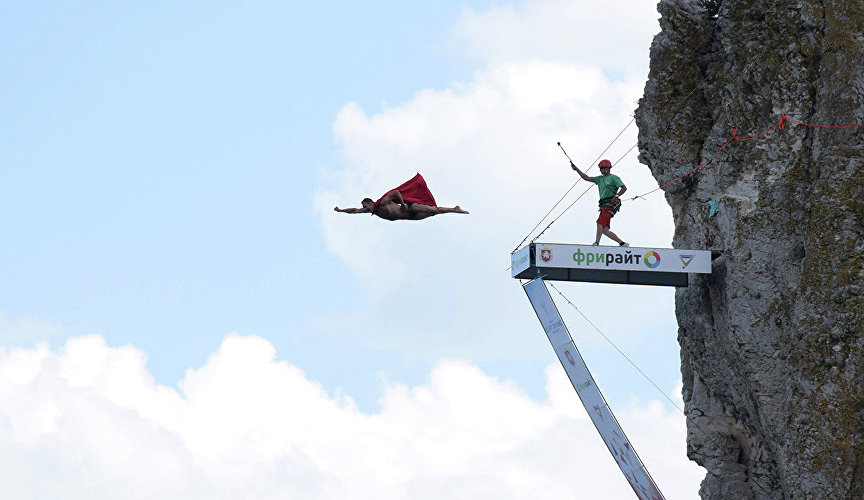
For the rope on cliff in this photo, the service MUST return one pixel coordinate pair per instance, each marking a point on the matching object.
(821, 126)
(780, 125)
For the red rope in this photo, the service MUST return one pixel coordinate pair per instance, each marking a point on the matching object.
(776, 125)
(780, 125)
(824, 126)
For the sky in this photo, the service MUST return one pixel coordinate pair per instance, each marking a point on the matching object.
(183, 314)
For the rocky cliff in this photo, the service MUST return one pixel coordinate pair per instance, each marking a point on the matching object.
(771, 343)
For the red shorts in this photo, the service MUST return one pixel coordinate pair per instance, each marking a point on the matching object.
(605, 218)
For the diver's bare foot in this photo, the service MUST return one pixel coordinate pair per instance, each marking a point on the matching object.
(459, 210)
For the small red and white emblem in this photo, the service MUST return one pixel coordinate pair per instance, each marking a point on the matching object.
(546, 254)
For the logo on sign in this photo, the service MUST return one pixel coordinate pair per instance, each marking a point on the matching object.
(569, 357)
(583, 385)
(685, 259)
(546, 254)
(651, 259)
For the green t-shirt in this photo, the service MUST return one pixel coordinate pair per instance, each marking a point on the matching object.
(607, 184)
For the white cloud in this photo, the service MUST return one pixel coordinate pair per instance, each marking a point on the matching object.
(439, 286)
(489, 145)
(88, 421)
(26, 330)
(614, 36)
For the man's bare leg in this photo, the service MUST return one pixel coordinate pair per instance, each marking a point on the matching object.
(455, 210)
(419, 211)
(612, 235)
(599, 234)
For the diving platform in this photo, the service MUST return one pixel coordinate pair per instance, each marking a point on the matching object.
(609, 264)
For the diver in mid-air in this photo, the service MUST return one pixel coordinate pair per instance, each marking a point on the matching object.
(410, 201)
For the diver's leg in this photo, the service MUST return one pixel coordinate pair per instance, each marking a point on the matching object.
(454, 210)
(419, 211)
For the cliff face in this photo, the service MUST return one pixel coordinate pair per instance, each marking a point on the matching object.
(772, 342)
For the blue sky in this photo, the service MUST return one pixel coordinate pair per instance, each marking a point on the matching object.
(159, 162)
(168, 172)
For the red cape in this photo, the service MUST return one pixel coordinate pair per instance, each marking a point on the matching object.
(413, 191)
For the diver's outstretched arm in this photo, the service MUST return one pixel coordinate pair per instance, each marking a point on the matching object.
(352, 210)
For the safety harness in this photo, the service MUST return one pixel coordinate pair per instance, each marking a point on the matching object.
(606, 205)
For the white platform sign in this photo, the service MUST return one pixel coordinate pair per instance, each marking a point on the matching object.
(589, 393)
(622, 258)
(520, 260)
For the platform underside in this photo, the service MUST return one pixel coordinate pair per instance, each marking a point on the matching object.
(605, 276)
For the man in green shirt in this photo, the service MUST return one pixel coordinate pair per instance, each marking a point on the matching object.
(611, 188)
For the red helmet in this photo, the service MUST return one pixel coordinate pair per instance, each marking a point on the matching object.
(605, 163)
